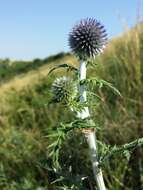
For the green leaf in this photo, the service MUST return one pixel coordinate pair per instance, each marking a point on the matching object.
(105, 83)
(68, 67)
(127, 154)
(101, 83)
(122, 149)
(94, 94)
(58, 180)
(52, 145)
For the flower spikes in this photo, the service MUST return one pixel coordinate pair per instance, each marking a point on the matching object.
(87, 38)
(64, 89)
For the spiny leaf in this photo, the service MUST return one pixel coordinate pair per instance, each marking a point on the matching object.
(58, 180)
(94, 94)
(68, 67)
(121, 149)
(127, 154)
(100, 82)
(105, 83)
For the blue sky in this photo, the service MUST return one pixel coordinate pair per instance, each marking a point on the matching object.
(38, 28)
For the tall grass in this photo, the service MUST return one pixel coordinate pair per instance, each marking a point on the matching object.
(122, 118)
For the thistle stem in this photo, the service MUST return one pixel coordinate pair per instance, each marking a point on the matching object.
(82, 91)
(90, 133)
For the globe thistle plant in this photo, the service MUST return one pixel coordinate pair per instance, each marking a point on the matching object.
(87, 38)
(64, 89)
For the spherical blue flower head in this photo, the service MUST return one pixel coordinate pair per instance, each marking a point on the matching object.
(87, 38)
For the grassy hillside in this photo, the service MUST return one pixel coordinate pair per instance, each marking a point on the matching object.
(26, 118)
(29, 77)
(9, 69)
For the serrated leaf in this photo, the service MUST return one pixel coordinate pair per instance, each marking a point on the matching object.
(127, 154)
(105, 83)
(100, 83)
(52, 145)
(68, 67)
(94, 94)
(58, 180)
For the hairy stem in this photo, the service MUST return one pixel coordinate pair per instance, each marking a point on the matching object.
(90, 133)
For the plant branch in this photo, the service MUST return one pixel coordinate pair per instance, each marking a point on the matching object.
(121, 149)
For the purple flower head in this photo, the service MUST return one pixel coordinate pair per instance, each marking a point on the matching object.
(87, 38)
